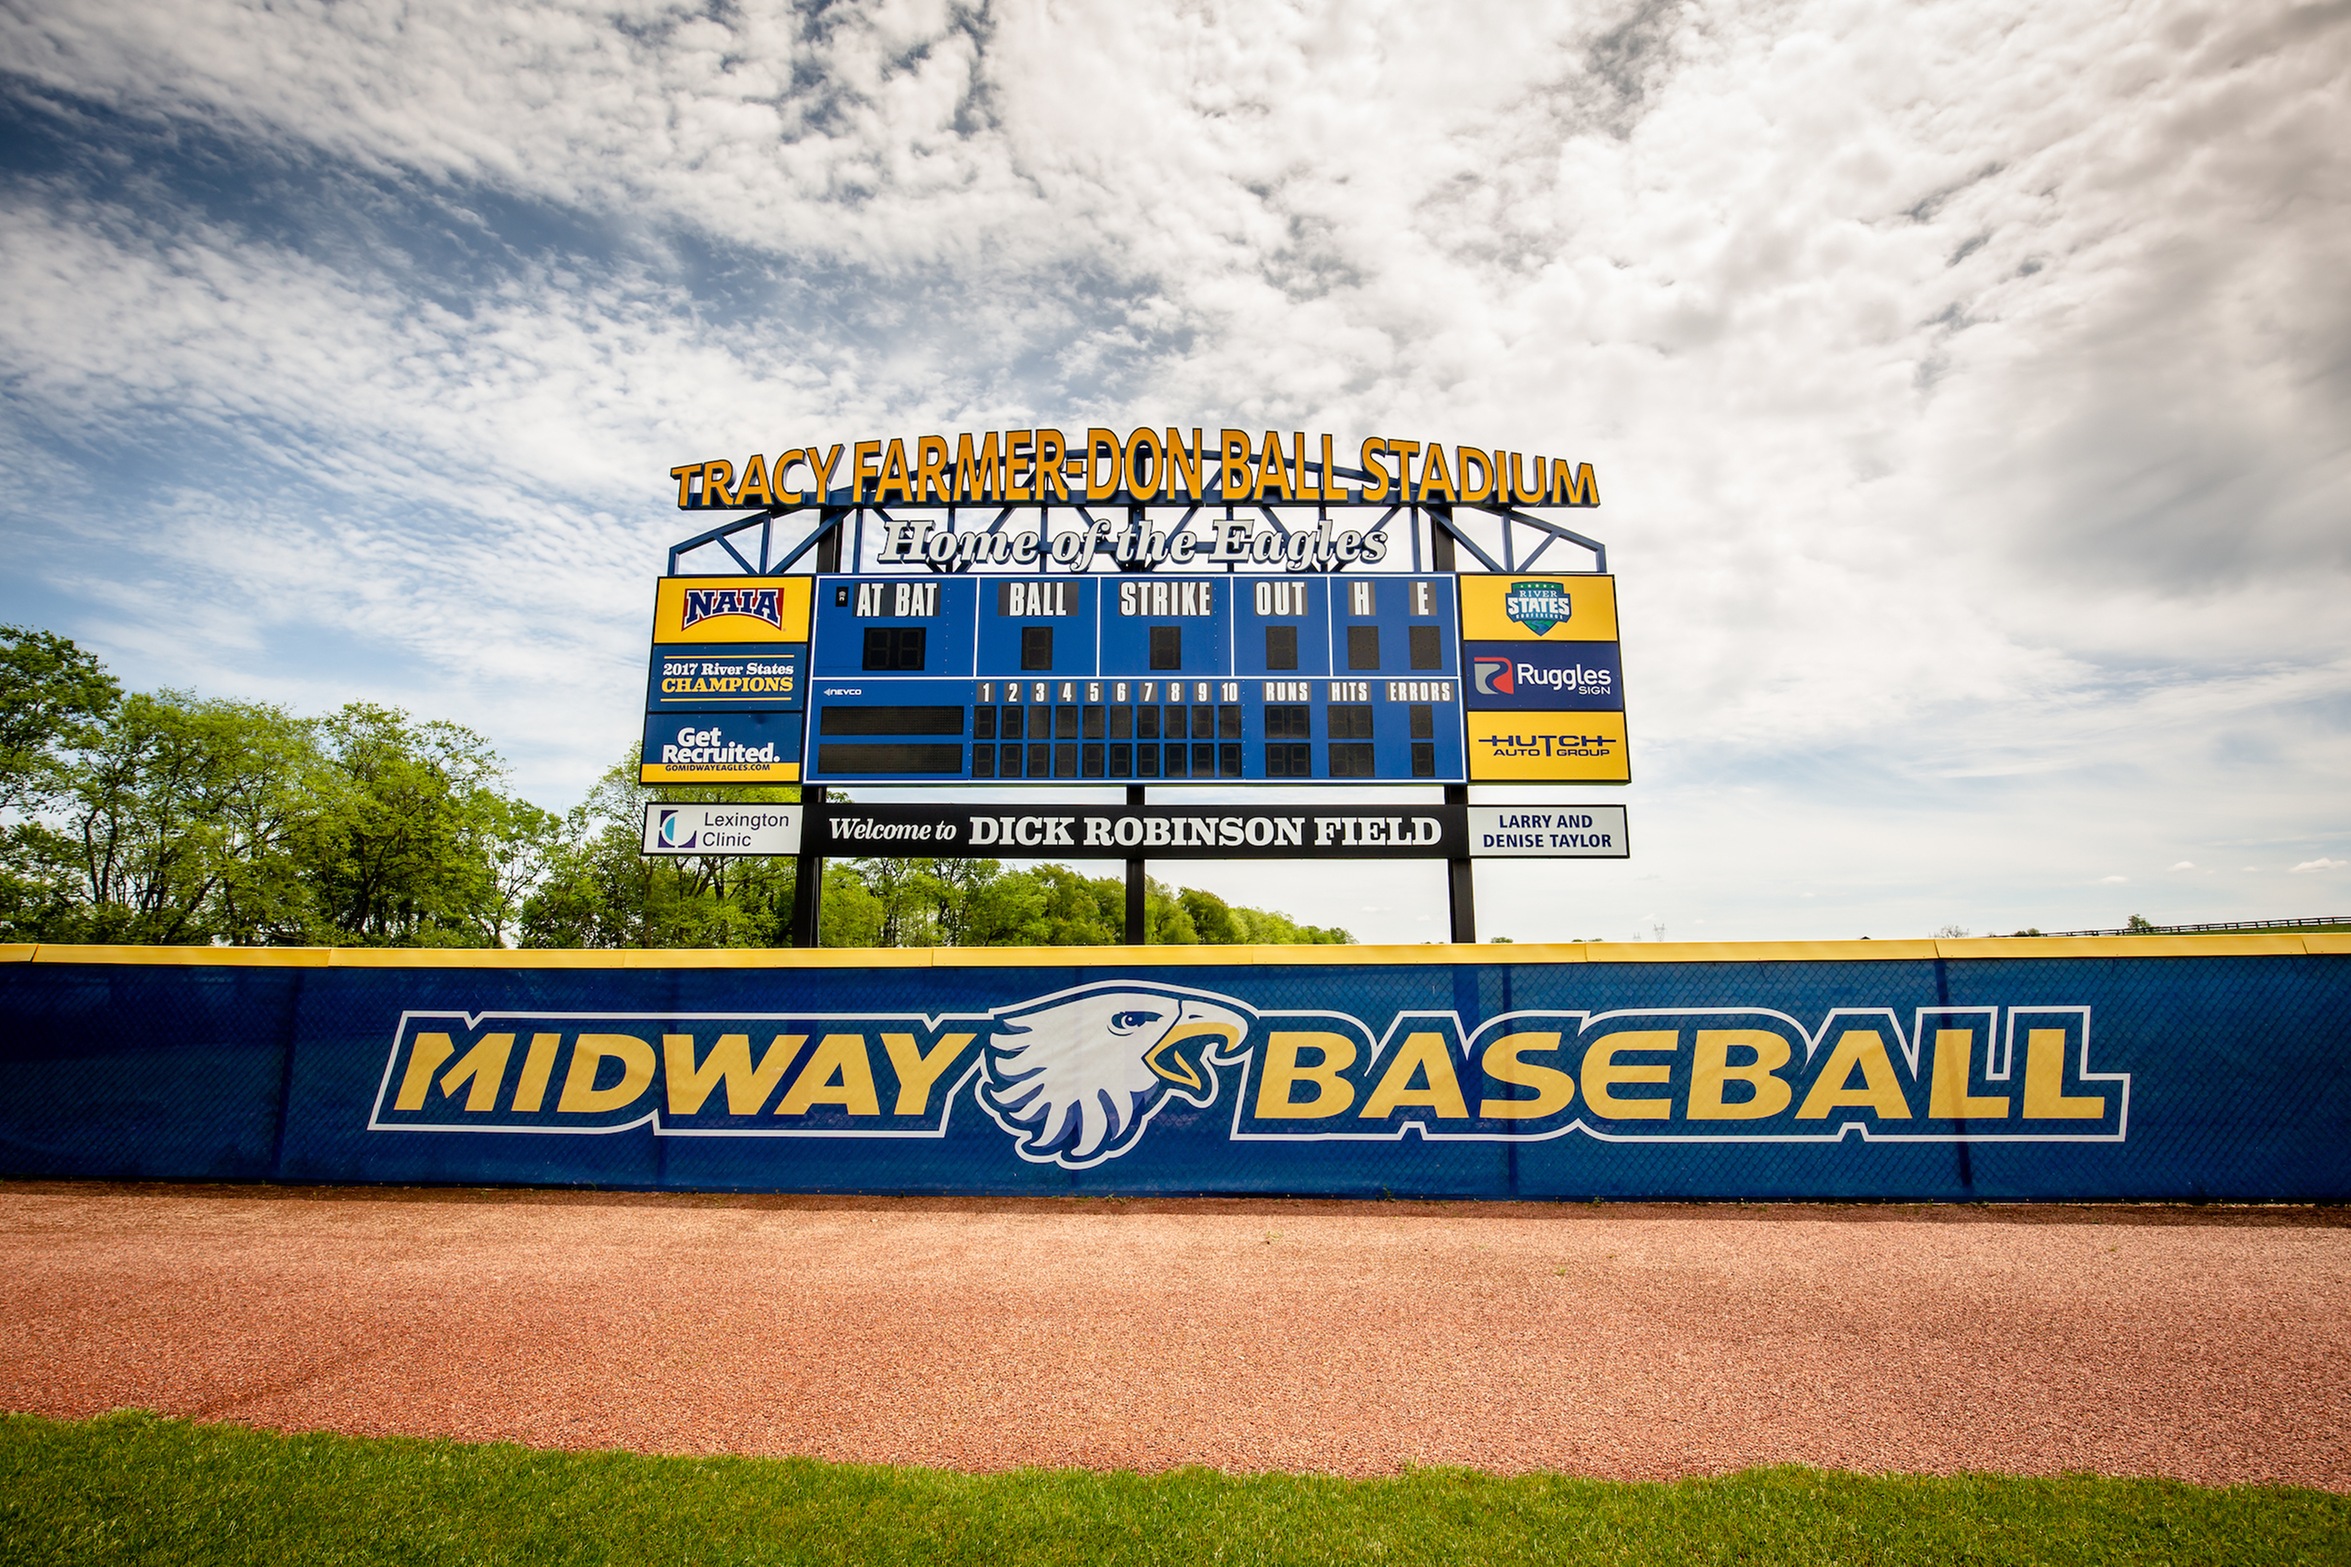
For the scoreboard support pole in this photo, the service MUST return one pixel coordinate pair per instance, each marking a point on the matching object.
(1461, 888)
(1460, 881)
(1138, 929)
(808, 876)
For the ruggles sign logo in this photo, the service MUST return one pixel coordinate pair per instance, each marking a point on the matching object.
(1077, 1077)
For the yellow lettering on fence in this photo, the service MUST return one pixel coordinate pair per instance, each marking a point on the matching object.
(916, 1071)
(531, 1091)
(1554, 1089)
(1602, 1074)
(424, 1059)
(1858, 1049)
(2045, 1097)
(485, 1065)
(1711, 1072)
(729, 1061)
(589, 1052)
(1947, 1095)
(1425, 1057)
(1332, 1093)
(839, 1073)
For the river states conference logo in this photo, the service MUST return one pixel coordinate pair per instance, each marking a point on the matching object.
(1538, 606)
(1077, 1077)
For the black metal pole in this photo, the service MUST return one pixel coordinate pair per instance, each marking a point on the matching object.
(808, 878)
(1460, 888)
(1138, 927)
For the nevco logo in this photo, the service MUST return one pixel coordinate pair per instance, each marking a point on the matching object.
(1538, 606)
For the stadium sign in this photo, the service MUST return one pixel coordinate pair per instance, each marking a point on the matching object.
(1145, 465)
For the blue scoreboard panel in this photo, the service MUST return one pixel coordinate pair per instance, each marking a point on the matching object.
(1132, 678)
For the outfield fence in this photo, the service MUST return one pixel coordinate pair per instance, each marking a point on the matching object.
(2171, 1068)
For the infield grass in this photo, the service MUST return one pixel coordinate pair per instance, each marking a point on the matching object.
(136, 1488)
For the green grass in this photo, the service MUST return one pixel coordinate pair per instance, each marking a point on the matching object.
(134, 1488)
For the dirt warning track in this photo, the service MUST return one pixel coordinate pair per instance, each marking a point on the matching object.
(1625, 1340)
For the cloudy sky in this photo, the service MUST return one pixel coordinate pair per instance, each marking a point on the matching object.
(1969, 385)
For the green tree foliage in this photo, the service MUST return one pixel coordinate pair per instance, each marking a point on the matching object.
(164, 817)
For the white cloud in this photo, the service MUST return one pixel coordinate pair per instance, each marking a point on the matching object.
(1965, 382)
(2321, 864)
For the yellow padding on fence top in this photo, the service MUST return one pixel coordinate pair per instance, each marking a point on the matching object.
(1977, 947)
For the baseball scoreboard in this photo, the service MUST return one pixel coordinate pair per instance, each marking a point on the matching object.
(1136, 677)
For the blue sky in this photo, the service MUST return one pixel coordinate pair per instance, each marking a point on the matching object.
(1969, 385)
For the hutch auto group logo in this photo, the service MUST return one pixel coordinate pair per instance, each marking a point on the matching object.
(1538, 606)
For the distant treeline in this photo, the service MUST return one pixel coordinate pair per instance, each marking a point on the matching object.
(164, 817)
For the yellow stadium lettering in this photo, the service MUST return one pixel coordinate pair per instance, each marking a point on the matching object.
(531, 1091)
(1711, 1071)
(1283, 1070)
(917, 1071)
(729, 1061)
(1052, 465)
(2045, 1097)
(589, 1052)
(754, 488)
(1233, 453)
(839, 1073)
(1425, 1057)
(1574, 487)
(1603, 1072)
(1858, 1049)
(424, 1059)
(1436, 484)
(931, 479)
(1947, 1095)
(718, 480)
(485, 1067)
(1554, 1089)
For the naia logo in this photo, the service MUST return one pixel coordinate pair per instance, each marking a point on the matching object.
(1538, 606)
(710, 603)
(1493, 676)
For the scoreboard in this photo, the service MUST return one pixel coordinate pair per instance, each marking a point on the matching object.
(1135, 677)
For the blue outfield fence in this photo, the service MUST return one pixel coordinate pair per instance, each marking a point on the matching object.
(2197, 1068)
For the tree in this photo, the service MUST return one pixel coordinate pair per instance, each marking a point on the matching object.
(175, 824)
(53, 699)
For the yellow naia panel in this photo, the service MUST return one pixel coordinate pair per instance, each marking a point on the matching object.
(1507, 747)
(731, 609)
(1533, 607)
(732, 773)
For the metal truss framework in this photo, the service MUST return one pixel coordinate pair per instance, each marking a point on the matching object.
(775, 541)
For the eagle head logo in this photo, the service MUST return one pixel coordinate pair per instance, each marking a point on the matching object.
(1075, 1077)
